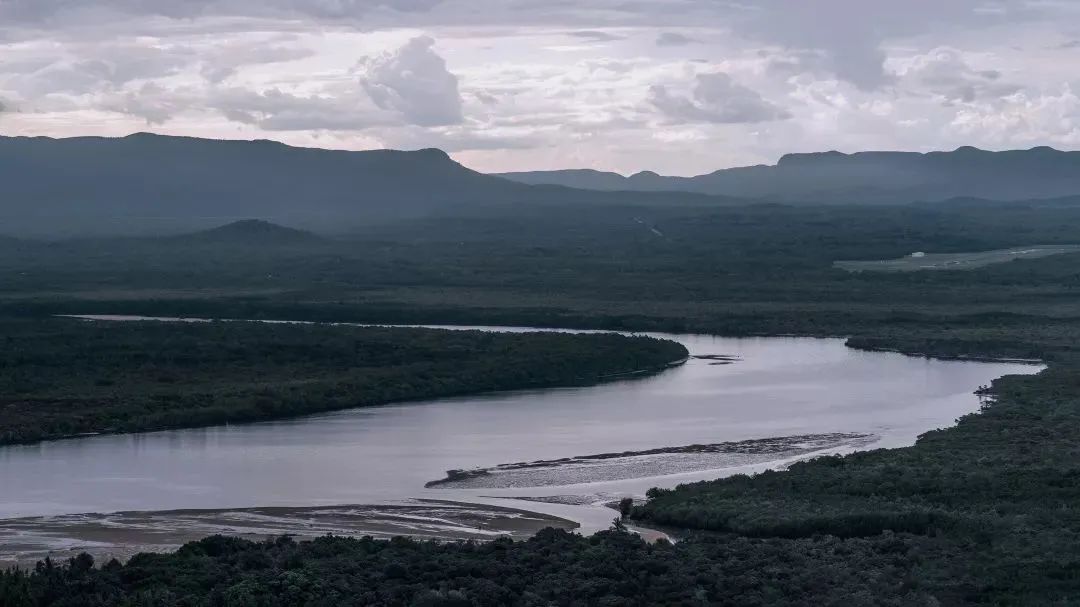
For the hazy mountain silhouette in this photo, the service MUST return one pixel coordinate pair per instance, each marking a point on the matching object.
(863, 177)
(154, 184)
(95, 180)
(250, 232)
(8, 243)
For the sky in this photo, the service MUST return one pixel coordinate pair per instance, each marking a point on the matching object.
(679, 87)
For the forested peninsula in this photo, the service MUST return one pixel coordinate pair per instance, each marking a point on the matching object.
(66, 377)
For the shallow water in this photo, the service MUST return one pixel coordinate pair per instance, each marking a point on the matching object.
(780, 387)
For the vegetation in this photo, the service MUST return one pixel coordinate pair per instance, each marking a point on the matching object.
(981, 514)
(65, 377)
(734, 271)
(553, 568)
(988, 507)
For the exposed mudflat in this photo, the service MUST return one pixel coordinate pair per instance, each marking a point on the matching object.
(123, 534)
(651, 462)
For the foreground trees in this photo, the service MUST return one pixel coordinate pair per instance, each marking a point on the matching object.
(553, 568)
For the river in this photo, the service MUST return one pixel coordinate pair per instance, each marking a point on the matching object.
(834, 399)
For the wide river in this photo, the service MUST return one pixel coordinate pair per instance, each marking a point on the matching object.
(776, 387)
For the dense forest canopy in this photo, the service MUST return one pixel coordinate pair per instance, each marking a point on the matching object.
(66, 377)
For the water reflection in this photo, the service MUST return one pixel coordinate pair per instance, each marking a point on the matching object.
(781, 387)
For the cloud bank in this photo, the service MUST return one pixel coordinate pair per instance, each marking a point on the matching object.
(677, 86)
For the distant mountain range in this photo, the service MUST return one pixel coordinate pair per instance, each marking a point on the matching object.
(863, 177)
(153, 184)
(147, 183)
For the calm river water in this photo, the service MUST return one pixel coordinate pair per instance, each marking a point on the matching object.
(779, 387)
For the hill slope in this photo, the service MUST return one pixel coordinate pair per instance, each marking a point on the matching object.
(863, 177)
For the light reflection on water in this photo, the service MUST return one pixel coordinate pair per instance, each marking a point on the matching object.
(781, 387)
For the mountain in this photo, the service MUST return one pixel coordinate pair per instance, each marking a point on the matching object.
(153, 184)
(178, 181)
(8, 244)
(863, 177)
(586, 179)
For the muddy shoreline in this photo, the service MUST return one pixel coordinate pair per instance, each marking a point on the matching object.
(24, 541)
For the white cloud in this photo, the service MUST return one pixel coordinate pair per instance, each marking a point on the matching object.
(413, 81)
(673, 39)
(276, 110)
(150, 102)
(718, 99)
(944, 72)
(227, 59)
(1024, 118)
(595, 36)
(521, 84)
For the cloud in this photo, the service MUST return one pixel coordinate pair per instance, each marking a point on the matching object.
(945, 73)
(458, 139)
(151, 102)
(49, 11)
(276, 110)
(785, 63)
(851, 33)
(673, 39)
(1023, 118)
(531, 84)
(226, 60)
(716, 98)
(414, 82)
(83, 70)
(595, 36)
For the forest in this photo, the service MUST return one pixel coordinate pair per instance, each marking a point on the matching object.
(984, 513)
(64, 377)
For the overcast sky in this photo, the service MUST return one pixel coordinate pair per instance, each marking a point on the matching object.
(675, 86)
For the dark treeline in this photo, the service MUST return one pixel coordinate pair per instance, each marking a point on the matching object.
(64, 377)
(763, 269)
(553, 568)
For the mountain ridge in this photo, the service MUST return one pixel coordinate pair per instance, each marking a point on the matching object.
(859, 177)
(147, 183)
